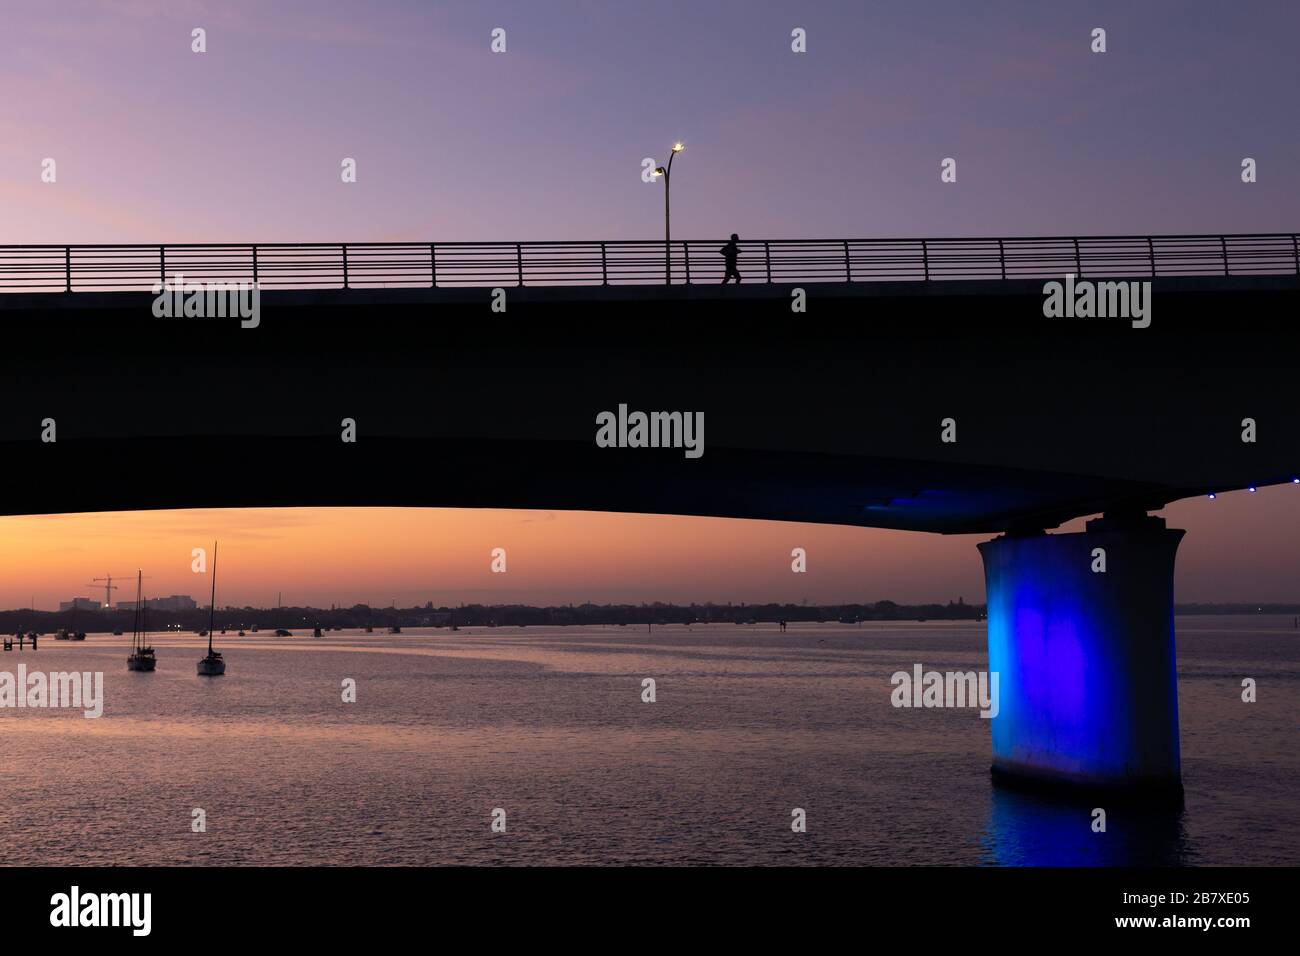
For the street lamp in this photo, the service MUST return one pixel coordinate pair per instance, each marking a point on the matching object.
(667, 173)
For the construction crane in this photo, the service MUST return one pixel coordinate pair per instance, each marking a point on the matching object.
(109, 587)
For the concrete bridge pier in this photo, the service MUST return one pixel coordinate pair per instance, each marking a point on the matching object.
(1081, 634)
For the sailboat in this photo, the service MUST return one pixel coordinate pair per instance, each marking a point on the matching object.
(213, 665)
(142, 656)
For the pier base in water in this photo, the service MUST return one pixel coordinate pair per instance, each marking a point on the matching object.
(1081, 633)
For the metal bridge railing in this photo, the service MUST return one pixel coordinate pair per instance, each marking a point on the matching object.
(46, 268)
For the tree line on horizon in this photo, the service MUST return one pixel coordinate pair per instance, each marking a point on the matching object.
(525, 615)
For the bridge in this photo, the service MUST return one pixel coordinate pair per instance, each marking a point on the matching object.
(921, 387)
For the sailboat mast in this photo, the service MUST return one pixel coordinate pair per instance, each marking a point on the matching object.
(212, 608)
(139, 600)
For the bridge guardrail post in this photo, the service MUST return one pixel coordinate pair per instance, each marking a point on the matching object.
(604, 266)
(162, 264)
(254, 264)
(1151, 255)
(1223, 245)
(519, 262)
(1295, 251)
(686, 257)
(925, 259)
(1078, 263)
(1002, 259)
(767, 259)
(345, 266)
(67, 268)
(433, 267)
(848, 265)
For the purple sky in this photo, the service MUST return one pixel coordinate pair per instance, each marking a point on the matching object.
(156, 143)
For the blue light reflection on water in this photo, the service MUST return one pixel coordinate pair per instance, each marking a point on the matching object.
(1026, 829)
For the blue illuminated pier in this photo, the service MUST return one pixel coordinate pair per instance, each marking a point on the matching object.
(1085, 657)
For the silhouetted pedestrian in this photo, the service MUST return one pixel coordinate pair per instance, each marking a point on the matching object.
(730, 253)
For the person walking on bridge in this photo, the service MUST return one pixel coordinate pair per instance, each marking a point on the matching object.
(730, 253)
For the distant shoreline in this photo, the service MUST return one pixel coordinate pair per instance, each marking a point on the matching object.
(520, 615)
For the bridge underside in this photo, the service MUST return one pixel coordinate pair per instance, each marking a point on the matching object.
(215, 472)
(833, 415)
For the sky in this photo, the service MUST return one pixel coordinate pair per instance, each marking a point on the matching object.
(156, 143)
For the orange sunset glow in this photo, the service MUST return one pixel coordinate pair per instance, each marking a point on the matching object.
(377, 556)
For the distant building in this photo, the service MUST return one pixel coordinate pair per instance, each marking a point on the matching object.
(176, 602)
(79, 604)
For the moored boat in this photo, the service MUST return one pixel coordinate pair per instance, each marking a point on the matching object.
(213, 665)
(142, 656)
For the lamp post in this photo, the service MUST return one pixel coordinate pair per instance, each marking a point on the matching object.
(667, 173)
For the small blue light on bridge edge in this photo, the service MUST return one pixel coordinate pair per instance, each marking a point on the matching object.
(1211, 495)
(1251, 489)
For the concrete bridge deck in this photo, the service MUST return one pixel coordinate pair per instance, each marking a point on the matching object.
(830, 415)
